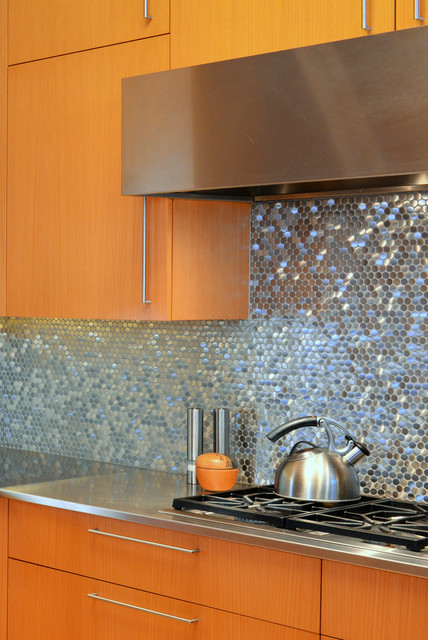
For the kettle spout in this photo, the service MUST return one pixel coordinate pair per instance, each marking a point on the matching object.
(355, 451)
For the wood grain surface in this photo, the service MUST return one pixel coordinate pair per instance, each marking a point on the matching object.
(220, 29)
(55, 27)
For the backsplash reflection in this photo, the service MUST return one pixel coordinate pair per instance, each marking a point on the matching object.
(338, 326)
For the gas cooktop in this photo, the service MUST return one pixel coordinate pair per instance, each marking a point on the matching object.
(381, 520)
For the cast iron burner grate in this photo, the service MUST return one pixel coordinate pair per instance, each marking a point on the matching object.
(373, 519)
(385, 521)
(257, 504)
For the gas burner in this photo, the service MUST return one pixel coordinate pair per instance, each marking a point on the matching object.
(376, 520)
(385, 521)
(256, 504)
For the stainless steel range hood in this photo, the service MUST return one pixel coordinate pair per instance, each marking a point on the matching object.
(343, 116)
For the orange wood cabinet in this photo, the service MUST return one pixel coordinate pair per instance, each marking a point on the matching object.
(55, 27)
(62, 605)
(210, 260)
(406, 15)
(3, 567)
(375, 605)
(273, 586)
(197, 260)
(221, 29)
(74, 243)
(3, 151)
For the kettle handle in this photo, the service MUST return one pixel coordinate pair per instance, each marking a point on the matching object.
(292, 425)
(317, 421)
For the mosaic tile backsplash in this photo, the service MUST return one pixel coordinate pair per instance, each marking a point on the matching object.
(337, 327)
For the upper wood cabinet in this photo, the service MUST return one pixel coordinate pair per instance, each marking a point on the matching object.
(55, 27)
(3, 151)
(210, 260)
(75, 244)
(411, 13)
(221, 29)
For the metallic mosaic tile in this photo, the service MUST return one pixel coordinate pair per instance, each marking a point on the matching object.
(338, 327)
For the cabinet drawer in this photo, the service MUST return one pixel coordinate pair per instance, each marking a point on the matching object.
(66, 606)
(55, 27)
(262, 583)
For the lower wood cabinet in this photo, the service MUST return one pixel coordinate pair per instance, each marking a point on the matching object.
(235, 590)
(79, 576)
(69, 607)
(3, 567)
(368, 604)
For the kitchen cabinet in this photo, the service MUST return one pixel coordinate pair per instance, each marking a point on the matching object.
(230, 587)
(358, 602)
(3, 151)
(222, 29)
(65, 607)
(55, 27)
(75, 244)
(210, 260)
(3, 567)
(72, 239)
(407, 12)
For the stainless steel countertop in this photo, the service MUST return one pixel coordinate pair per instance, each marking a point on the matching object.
(144, 496)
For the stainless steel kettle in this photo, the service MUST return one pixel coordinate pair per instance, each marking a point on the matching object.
(316, 473)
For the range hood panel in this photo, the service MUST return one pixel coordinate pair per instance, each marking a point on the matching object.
(344, 115)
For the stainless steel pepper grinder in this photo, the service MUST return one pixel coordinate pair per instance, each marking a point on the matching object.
(195, 424)
(221, 429)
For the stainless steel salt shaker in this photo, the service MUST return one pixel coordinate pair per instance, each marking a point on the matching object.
(195, 424)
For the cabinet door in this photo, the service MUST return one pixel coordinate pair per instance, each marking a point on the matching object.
(389, 606)
(65, 606)
(3, 567)
(211, 252)
(411, 13)
(74, 242)
(221, 29)
(3, 151)
(54, 27)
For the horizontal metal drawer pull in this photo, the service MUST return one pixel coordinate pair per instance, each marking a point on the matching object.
(95, 596)
(152, 544)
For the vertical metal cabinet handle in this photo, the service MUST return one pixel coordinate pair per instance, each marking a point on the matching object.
(152, 544)
(144, 282)
(146, 10)
(95, 596)
(364, 24)
(416, 10)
